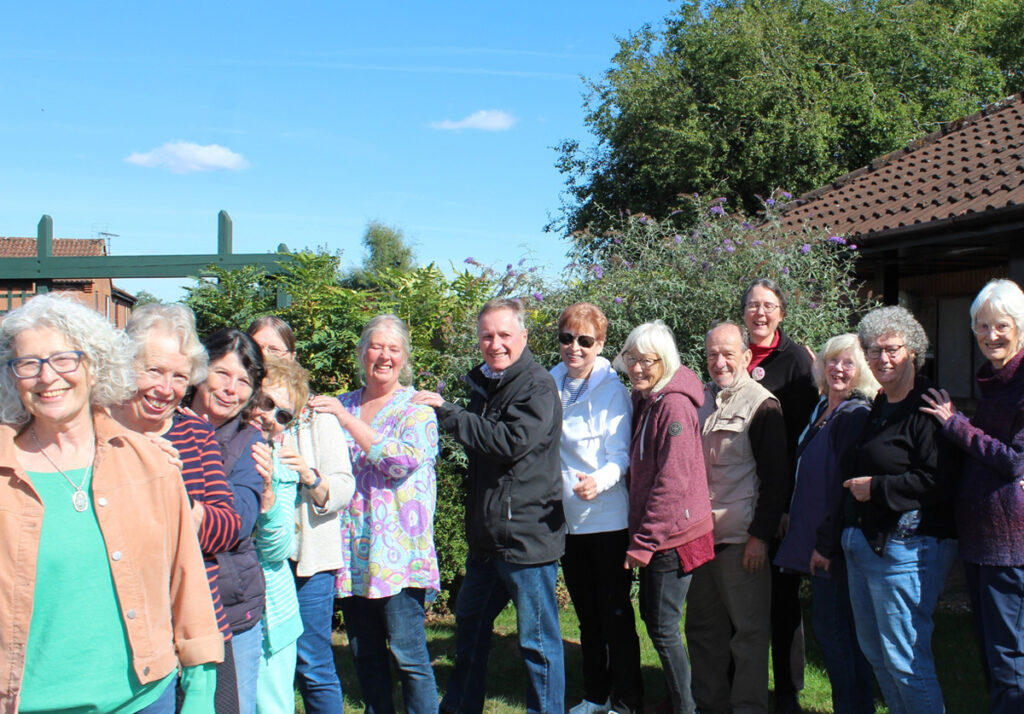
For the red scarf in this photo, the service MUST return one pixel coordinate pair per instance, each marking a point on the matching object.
(761, 352)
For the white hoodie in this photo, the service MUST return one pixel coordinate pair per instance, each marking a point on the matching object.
(595, 441)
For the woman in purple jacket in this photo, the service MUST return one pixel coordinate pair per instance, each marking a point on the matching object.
(670, 524)
(990, 503)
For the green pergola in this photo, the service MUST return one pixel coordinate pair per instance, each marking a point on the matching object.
(45, 267)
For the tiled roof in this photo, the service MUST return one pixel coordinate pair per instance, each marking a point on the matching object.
(970, 167)
(26, 247)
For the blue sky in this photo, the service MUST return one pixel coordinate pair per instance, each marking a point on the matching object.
(303, 121)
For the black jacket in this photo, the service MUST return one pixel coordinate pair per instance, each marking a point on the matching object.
(788, 375)
(511, 432)
(910, 467)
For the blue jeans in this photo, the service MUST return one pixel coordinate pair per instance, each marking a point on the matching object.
(315, 673)
(247, 648)
(893, 598)
(663, 588)
(486, 589)
(398, 622)
(164, 704)
(849, 671)
(997, 602)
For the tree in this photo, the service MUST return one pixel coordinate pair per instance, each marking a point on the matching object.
(739, 96)
(386, 249)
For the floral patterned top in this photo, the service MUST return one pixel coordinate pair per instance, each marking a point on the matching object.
(387, 531)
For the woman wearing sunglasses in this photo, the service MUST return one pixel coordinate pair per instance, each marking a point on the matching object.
(596, 412)
(317, 450)
(390, 571)
(285, 385)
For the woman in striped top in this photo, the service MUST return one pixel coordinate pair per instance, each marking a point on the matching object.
(168, 358)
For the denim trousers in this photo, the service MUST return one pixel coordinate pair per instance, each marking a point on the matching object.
(997, 603)
(600, 590)
(315, 673)
(247, 648)
(849, 671)
(486, 589)
(728, 630)
(397, 623)
(663, 588)
(165, 703)
(893, 597)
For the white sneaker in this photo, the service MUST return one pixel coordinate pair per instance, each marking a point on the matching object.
(588, 707)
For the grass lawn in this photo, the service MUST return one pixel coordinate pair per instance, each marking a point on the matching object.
(955, 652)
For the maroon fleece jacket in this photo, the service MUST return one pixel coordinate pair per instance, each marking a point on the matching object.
(669, 504)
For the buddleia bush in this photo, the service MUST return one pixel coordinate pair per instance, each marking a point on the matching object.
(644, 269)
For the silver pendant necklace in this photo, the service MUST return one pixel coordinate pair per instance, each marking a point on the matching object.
(79, 499)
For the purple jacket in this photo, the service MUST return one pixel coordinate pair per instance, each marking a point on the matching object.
(669, 504)
(990, 501)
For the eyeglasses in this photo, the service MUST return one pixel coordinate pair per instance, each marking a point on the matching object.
(283, 417)
(847, 364)
(60, 362)
(768, 307)
(274, 350)
(585, 341)
(1000, 328)
(645, 362)
(892, 350)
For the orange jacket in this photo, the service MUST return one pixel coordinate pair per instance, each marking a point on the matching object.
(157, 567)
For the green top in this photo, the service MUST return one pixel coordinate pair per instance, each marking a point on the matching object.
(78, 657)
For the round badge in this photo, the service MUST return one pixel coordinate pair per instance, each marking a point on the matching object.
(675, 428)
(758, 373)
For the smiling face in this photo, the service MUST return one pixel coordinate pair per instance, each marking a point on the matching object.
(501, 339)
(271, 343)
(841, 373)
(226, 390)
(266, 419)
(383, 361)
(644, 370)
(997, 334)
(50, 396)
(892, 364)
(579, 360)
(162, 376)
(725, 354)
(762, 315)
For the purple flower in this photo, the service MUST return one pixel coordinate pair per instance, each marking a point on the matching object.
(757, 243)
(539, 297)
(521, 261)
(643, 221)
(508, 268)
(787, 194)
(853, 246)
(618, 300)
(678, 239)
(598, 271)
(729, 248)
(838, 240)
(718, 210)
(719, 200)
(785, 271)
(440, 385)
(470, 261)
(805, 248)
(746, 226)
(616, 240)
(813, 305)
(770, 202)
(627, 264)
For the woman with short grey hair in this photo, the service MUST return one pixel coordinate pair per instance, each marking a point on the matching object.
(899, 536)
(990, 502)
(89, 503)
(667, 478)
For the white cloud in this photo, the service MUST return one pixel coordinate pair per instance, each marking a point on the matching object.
(183, 157)
(483, 120)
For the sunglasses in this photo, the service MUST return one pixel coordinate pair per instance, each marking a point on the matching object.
(283, 417)
(585, 341)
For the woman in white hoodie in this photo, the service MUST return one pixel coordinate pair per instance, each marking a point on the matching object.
(596, 424)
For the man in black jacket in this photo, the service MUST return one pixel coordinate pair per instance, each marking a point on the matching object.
(514, 521)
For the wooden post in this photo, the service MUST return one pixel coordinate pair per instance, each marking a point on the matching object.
(224, 233)
(44, 248)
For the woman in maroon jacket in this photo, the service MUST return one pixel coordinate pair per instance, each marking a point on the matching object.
(670, 525)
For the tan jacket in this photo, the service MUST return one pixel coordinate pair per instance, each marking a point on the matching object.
(732, 471)
(157, 567)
